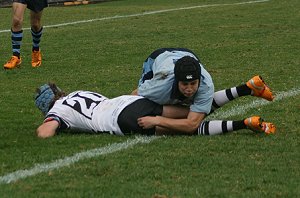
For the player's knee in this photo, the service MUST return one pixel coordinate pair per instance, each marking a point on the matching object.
(36, 27)
(17, 23)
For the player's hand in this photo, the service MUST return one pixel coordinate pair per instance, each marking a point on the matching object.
(147, 122)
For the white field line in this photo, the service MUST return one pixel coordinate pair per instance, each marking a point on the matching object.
(144, 14)
(242, 109)
(60, 163)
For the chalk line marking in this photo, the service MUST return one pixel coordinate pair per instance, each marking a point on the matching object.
(44, 167)
(242, 109)
(60, 163)
(144, 14)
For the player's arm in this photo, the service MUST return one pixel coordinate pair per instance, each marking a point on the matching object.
(47, 129)
(134, 92)
(170, 126)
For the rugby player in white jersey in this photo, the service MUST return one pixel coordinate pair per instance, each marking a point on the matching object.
(94, 113)
(176, 76)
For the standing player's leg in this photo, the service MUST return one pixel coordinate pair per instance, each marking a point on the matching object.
(18, 9)
(36, 32)
(36, 10)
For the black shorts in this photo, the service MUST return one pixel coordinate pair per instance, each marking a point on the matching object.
(34, 5)
(127, 119)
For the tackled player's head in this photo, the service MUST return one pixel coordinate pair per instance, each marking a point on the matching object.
(46, 95)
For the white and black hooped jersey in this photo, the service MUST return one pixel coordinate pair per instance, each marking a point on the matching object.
(90, 111)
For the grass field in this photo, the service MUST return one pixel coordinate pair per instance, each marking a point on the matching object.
(101, 48)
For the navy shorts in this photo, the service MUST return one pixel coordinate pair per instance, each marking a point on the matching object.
(34, 5)
(127, 119)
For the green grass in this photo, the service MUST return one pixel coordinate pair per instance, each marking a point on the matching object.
(234, 42)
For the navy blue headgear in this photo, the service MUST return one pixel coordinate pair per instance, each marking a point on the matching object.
(187, 69)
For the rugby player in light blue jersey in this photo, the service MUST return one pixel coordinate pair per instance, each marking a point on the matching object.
(175, 76)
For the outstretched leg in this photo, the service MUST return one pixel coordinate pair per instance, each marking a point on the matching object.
(255, 87)
(254, 123)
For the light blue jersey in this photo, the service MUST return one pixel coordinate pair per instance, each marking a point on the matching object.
(158, 82)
